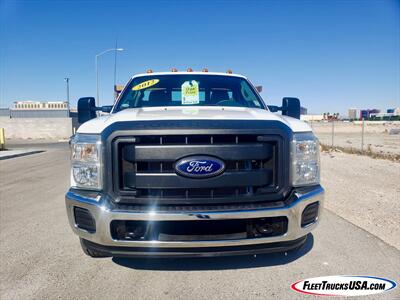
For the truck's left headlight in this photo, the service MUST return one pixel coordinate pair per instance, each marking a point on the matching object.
(305, 168)
(86, 162)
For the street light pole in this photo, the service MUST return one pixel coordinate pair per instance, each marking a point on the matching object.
(66, 79)
(97, 70)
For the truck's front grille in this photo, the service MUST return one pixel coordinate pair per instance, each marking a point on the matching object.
(144, 168)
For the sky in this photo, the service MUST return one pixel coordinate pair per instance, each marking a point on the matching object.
(332, 55)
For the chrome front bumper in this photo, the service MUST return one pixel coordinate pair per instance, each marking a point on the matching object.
(103, 217)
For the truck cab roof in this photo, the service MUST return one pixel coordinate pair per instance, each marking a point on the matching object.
(189, 73)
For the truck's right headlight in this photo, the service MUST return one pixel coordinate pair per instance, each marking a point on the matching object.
(305, 169)
(86, 162)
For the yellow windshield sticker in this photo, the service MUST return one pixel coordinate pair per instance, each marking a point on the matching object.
(145, 84)
(190, 92)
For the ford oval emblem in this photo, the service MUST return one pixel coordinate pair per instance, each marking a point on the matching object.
(199, 166)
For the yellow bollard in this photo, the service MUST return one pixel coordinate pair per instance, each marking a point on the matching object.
(2, 139)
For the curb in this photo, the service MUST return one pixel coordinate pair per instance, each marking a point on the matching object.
(20, 154)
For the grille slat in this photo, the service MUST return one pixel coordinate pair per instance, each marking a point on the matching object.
(172, 180)
(168, 166)
(250, 151)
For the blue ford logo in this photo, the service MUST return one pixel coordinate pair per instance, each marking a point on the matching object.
(199, 166)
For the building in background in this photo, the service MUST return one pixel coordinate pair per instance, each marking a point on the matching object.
(391, 114)
(353, 114)
(366, 113)
(39, 109)
(390, 110)
(40, 105)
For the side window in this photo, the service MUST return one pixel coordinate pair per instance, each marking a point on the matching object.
(131, 99)
(249, 95)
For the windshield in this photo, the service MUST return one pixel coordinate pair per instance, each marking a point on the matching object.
(188, 90)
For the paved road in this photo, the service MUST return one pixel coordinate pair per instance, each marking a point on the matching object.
(41, 258)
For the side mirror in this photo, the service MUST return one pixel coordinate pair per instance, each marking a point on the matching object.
(106, 108)
(86, 109)
(273, 108)
(291, 107)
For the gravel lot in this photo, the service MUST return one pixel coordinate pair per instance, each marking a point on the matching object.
(364, 191)
(41, 258)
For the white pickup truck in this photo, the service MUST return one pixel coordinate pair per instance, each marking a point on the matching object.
(192, 164)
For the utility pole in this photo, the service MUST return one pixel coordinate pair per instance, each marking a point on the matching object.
(66, 79)
(115, 63)
(97, 70)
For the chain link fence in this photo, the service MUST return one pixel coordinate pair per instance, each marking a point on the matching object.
(371, 137)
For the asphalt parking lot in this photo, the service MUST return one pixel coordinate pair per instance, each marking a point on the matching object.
(41, 257)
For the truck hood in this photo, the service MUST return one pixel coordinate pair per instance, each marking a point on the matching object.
(190, 113)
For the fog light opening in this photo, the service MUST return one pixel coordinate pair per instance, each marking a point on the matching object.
(270, 227)
(122, 231)
(136, 233)
(264, 228)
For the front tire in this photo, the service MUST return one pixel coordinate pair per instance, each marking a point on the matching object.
(91, 252)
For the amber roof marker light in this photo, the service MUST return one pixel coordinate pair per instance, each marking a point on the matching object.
(229, 71)
(174, 70)
(205, 70)
(149, 71)
(189, 70)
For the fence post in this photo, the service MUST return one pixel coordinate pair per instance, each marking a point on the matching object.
(333, 131)
(362, 135)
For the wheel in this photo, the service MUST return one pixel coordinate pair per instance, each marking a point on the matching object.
(91, 252)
